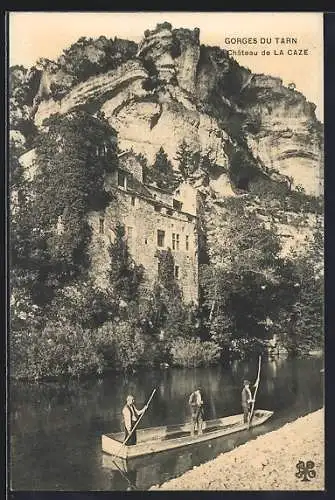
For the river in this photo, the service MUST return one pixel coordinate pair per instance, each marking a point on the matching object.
(55, 428)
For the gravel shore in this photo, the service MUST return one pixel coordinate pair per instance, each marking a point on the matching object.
(266, 463)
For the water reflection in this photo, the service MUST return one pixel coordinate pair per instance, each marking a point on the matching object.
(56, 428)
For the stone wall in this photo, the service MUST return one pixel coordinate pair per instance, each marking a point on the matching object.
(142, 221)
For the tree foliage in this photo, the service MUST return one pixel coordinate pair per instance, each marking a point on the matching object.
(167, 312)
(188, 160)
(162, 172)
(301, 323)
(125, 276)
(89, 56)
(21, 93)
(50, 231)
(59, 349)
(192, 162)
(192, 353)
(251, 291)
(238, 283)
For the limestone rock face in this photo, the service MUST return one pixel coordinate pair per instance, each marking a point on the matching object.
(289, 138)
(93, 91)
(146, 126)
(175, 89)
(175, 54)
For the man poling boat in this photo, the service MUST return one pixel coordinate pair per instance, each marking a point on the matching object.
(246, 401)
(197, 411)
(131, 417)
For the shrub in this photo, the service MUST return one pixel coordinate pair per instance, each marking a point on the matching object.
(57, 350)
(192, 353)
(121, 344)
(150, 84)
(242, 348)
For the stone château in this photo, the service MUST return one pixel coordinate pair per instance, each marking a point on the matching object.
(154, 220)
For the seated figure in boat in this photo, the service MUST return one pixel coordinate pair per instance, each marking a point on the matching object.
(246, 400)
(197, 411)
(130, 416)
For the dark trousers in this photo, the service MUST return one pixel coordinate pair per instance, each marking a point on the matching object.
(133, 438)
(246, 409)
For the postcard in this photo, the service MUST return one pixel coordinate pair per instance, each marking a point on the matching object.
(166, 251)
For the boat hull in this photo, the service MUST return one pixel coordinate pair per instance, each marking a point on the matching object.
(157, 439)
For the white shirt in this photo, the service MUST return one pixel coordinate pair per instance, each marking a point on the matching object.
(198, 398)
(130, 417)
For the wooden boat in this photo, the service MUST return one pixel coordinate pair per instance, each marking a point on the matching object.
(158, 439)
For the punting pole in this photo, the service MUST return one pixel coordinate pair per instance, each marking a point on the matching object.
(256, 389)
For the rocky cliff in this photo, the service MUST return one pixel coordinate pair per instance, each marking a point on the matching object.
(176, 89)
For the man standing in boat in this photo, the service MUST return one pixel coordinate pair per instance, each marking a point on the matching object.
(247, 400)
(130, 416)
(197, 412)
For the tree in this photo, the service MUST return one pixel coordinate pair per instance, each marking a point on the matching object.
(72, 158)
(89, 56)
(125, 276)
(166, 272)
(301, 322)
(162, 171)
(21, 93)
(188, 160)
(239, 283)
(251, 291)
(168, 313)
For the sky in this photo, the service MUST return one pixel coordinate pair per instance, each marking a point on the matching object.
(45, 34)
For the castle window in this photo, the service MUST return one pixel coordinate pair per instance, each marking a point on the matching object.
(177, 205)
(122, 179)
(129, 235)
(101, 225)
(176, 272)
(177, 241)
(101, 150)
(173, 241)
(187, 242)
(158, 208)
(160, 238)
(169, 211)
(133, 199)
(146, 241)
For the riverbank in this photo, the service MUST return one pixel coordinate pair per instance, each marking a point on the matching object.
(265, 463)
